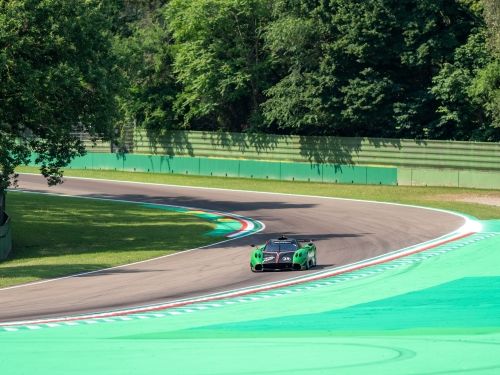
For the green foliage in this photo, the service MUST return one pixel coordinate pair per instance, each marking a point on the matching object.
(296, 103)
(145, 51)
(485, 91)
(492, 18)
(129, 13)
(57, 75)
(487, 84)
(467, 89)
(380, 68)
(369, 68)
(219, 61)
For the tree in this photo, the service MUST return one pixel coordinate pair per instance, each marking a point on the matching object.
(144, 46)
(463, 89)
(467, 87)
(492, 18)
(370, 65)
(488, 82)
(219, 61)
(58, 76)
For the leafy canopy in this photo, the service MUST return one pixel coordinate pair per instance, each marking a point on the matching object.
(58, 75)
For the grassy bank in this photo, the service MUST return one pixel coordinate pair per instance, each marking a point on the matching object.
(456, 199)
(55, 236)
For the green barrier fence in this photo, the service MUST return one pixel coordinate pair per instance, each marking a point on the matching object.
(5, 240)
(418, 162)
(333, 150)
(203, 166)
(289, 171)
(449, 177)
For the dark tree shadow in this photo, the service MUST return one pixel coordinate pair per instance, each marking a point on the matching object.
(243, 142)
(338, 151)
(168, 142)
(335, 151)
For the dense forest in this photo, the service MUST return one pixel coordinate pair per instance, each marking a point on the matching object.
(381, 68)
(378, 68)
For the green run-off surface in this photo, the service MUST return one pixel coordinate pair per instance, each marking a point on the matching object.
(433, 312)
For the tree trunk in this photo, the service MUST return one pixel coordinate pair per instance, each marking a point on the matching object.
(2, 207)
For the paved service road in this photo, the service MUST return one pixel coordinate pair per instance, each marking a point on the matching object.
(345, 232)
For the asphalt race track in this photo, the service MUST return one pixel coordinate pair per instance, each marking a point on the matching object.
(345, 232)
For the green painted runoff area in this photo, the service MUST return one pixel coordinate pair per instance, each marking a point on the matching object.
(430, 313)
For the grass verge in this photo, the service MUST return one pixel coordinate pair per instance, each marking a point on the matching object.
(56, 236)
(455, 199)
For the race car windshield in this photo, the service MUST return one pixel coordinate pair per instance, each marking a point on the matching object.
(281, 246)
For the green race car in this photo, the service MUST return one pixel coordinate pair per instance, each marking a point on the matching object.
(284, 254)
